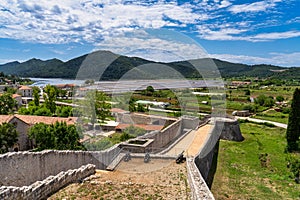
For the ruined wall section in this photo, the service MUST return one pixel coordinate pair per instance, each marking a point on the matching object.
(25, 168)
(42, 189)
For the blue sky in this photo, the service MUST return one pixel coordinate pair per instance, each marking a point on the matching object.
(244, 31)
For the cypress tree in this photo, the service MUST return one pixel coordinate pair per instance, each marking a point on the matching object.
(293, 129)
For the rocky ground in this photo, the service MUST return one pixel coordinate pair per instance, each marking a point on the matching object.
(158, 179)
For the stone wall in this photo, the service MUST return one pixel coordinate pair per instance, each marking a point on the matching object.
(204, 160)
(25, 168)
(164, 137)
(136, 118)
(189, 122)
(42, 189)
(199, 189)
(230, 130)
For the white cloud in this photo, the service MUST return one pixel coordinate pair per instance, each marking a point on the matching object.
(280, 59)
(4, 61)
(154, 47)
(253, 7)
(73, 21)
(274, 36)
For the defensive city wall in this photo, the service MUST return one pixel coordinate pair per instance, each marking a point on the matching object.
(36, 175)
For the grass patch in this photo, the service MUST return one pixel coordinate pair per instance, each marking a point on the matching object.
(274, 116)
(255, 168)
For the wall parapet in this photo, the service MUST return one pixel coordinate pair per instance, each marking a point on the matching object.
(24, 168)
(42, 189)
(199, 189)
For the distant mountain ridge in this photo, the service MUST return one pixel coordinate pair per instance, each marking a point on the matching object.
(112, 67)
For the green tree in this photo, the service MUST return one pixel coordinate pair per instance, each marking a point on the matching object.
(42, 111)
(102, 107)
(43, 135)
(87, 107)
(134, 131)
(94, 105)
(293, 129)
(8, 136)
(56, 136)
(247, 92)
(66, 111)
(141, 108)
(263, 100)
(293, 163)
(7, 103)
(280, 98)
(149, 91)
(50, 97)
(10, 90)
(36, 95)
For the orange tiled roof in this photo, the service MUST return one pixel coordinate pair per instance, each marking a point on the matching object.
(147, 127)
(24, 87)
(5, 118)
(30, 119)
(16, 95)
(117, 110)
(65, 85)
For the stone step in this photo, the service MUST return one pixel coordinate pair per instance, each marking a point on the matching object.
(115, 162)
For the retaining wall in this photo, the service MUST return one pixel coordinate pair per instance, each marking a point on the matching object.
(42, 189)
(25, 168)
(198, 186)
(166, 136)
(206, 160)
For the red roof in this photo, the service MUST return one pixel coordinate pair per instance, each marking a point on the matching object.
(5, 118)
(65, 85)
(16, 95)
(117, 110)
(24, 87)
(147, 127)
(31, 120)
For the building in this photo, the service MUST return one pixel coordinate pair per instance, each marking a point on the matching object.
(18, 99)
(25, 91)
(24, 122)
(241, 113)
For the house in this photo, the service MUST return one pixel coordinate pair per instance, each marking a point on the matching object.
(18, 99)
(24, 122)
(81, 92)
(25, 91)
(241, 113)
(65, 86)
(239, 83)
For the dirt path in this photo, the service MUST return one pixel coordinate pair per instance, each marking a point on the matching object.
(132, 180)
(199, 139)
(191, 143)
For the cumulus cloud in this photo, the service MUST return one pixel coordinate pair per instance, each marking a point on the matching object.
(73, 21)
(253, 7)
(106, 23)
(153, 46)
(275, 58)
(275, 35)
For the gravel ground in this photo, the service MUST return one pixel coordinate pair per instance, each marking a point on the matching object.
(158, 179)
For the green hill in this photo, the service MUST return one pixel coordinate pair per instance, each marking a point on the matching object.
(110, 66)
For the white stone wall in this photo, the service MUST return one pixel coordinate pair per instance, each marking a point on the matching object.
(43, 189)
(24, 168)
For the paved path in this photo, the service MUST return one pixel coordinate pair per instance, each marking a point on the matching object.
(281, 125)
(191, 143)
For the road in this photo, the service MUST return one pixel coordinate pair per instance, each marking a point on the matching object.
(281, 125)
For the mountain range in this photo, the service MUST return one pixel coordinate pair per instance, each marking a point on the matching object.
(110, 66)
